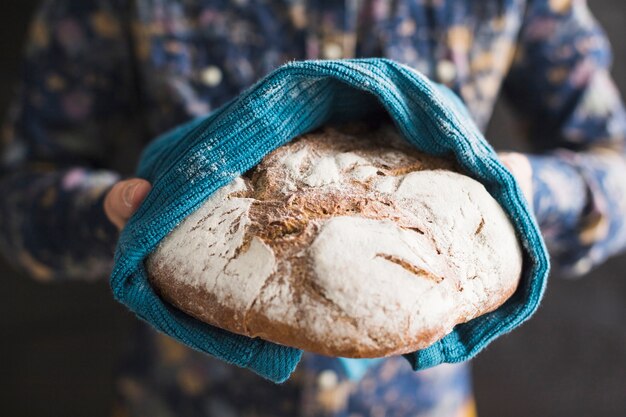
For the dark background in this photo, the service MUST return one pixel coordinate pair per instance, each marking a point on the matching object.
(59, 342)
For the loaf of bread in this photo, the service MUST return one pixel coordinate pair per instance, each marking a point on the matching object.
(345, 242)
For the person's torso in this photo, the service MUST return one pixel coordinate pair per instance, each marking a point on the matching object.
(193, 56)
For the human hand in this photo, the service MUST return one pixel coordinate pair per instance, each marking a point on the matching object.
(520, 167)
(124, 198)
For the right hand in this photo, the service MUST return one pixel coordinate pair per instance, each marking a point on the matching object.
(124, 198)
(520, 167)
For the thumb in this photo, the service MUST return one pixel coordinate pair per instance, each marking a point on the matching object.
(123, 199)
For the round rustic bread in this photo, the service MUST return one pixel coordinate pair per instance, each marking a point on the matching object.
(345, 242)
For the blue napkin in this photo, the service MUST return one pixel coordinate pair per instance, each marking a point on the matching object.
(189, 163)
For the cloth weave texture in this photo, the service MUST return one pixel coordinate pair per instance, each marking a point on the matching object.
(188, 164)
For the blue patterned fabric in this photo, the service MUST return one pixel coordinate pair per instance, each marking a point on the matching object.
(102, 78)
(190, 163)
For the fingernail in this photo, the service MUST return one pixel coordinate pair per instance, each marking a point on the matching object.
(128, 194)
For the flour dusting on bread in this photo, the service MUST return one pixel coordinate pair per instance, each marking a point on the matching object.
(346, 242)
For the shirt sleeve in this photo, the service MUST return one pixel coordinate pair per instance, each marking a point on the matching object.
(574, 118)
(73, 108)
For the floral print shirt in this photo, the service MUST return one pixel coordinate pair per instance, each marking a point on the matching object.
(101, 78)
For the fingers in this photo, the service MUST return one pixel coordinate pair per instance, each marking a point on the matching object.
(520, 167)
(124, 198)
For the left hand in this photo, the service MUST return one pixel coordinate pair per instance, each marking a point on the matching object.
(123, 199)
(520, 167)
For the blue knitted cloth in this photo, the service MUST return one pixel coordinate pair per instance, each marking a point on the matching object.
(189, 163)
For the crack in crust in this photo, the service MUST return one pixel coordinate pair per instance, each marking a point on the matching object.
(412, 268)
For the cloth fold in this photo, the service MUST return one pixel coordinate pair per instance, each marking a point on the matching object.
(188, 164)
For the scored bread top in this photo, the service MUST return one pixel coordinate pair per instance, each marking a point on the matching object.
(346, 242)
